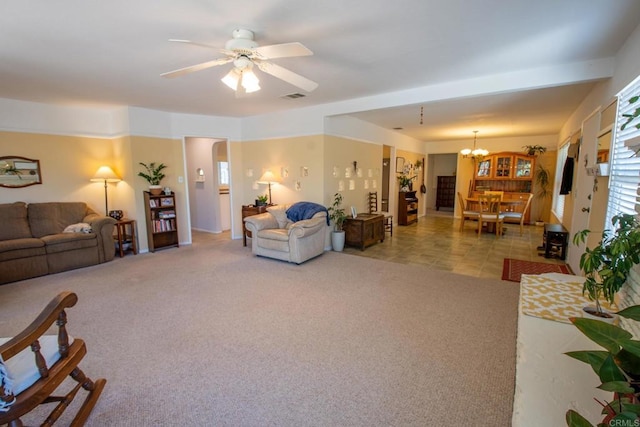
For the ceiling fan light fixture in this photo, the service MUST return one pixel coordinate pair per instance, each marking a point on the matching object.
(232, 79)
(250, 81)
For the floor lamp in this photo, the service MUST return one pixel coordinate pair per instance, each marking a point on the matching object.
(106, 174)
(268, 178)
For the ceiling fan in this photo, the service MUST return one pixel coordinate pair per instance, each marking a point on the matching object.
(244, 52)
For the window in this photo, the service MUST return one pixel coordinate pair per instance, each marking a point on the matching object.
(624, 171)
(223, 173)
(558, 199)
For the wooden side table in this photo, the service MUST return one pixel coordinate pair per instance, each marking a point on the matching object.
(364, 230)
(250, 210)
(125, 236)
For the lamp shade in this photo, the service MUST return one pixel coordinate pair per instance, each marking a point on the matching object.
(106, 174)
(267, 178)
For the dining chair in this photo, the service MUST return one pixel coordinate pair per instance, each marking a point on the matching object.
(373, 209)
(518, 217)
(495, 193)
(466, 213)
(490, 212)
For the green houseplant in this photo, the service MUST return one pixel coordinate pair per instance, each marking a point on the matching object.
(534, 150)
(338, 216)
(542, 178)
(607, 265)
(261, 200)
(153, 175)
(405, 182)
(617, 367)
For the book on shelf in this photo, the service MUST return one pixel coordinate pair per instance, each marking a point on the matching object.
(162, 225)
(166, 214)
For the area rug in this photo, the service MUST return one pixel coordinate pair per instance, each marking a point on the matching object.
(513, 269)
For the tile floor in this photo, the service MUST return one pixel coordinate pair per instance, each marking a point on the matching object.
(435, 241)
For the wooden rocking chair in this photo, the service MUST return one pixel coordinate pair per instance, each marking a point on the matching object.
(52, 358)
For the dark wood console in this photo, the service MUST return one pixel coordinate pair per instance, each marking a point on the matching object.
(364, 230)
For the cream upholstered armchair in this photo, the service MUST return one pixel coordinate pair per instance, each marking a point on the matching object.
(293, 233)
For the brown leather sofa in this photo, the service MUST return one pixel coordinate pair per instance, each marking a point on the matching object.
(32, 241)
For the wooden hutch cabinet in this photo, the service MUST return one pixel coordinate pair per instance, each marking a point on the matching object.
(509, 172)
(407, 207)
(162, 223)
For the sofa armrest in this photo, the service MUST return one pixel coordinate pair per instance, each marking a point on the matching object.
(103, 228)
(261, 221)
(307, 227)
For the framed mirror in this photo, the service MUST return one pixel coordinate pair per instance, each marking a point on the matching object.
(17, 172)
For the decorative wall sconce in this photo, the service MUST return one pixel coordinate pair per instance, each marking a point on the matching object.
(199, 175)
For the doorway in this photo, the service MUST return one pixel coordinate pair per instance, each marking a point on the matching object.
(208, 184)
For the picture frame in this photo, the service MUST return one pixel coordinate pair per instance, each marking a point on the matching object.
(399, 164)
(354, 212)
(166, 201)
(17, 172)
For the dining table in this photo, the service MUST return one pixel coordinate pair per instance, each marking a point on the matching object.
(506, 205)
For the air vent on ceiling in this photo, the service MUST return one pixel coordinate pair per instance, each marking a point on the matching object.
(294, 95)
(398, 128)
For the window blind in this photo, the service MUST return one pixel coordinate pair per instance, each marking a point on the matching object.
(624, 169)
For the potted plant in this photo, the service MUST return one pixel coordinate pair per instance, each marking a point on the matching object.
(153, 175)
(607, 265)
(406, 182)
(534, 150)
(338, 216)
(543, 180)
(617, 366)
(262, 200)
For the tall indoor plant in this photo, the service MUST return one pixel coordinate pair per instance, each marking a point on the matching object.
(338, 216)
(153, 175)
(617, 367)
(607, 265)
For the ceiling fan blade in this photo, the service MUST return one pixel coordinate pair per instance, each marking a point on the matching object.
(193, 43)
(283, 50)
(288, 76)
(197, 67)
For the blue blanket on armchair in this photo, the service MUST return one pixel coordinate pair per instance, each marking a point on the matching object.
(305, 210)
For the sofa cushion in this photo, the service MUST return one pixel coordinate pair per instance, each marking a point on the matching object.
(15, 224)
(69, 241)
(53, 217)
(21, 248)
(280, 213)
(276, 239)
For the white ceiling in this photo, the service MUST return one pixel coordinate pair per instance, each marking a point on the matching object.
(79, 52)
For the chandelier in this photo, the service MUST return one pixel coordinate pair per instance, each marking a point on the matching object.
(476, 153)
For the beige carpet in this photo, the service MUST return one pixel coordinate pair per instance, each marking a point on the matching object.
(211, 335)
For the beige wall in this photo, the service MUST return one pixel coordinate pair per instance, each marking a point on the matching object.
(340, 153)
(68, 162)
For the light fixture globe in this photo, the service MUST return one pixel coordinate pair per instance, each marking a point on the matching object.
(476, 153)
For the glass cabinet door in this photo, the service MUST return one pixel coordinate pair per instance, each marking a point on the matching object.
(484, 168)
(524, 166)
(503, 167)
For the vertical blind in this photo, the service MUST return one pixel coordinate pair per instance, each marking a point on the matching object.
(624, 171)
